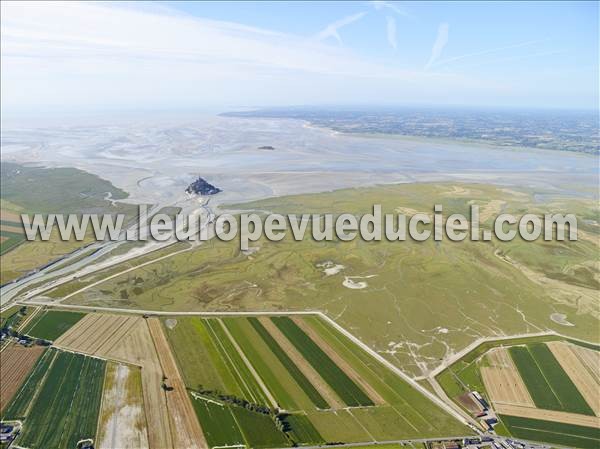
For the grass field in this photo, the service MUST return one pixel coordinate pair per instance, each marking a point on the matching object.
(463, 375)
(59, 404)
(277, 378)
(207, 356)
(348, 391)
(218, 423)
(55, 190)
(292, 369)
(303, 431)
(414, 415)
(552, 432)
(192, 346)
(547, 382)
(10, 240)
(251, 391)
(259, 430)
(52, 324)
(404, 311)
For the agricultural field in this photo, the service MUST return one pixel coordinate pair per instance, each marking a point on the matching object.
(283, 375)
(129, 342)
(51, 324)
(400, 307)
(17, 362)
(550, 387)
(122, 421)
(60, 402)
(534, 384)
(502, 381)
(11, 231)
(562, 434)
(336, 378)
(133, 340)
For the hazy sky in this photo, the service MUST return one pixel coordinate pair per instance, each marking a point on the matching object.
(219, 56)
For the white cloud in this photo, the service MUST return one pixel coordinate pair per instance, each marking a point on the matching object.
(484, 52)
(84, 54)
(331, 30)
(391, 32)
(380, 5)
(438, 46)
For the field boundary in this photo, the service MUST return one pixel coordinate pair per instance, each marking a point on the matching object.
(449, 406)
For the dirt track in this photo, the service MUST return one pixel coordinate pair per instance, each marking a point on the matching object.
(591, 360)
(502, 380)
(588, 386)
(309, 372)
(339, 361)
(548, 415)
(186, 431)
(17, 362)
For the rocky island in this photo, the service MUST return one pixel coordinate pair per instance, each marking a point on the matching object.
(201, 187)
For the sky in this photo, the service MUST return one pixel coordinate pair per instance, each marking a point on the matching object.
(219, 56)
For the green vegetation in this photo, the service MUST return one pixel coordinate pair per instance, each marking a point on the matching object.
(550, 387)
(584, 344)
(464, 375)
(251, 391)
(480, 277)
(51, 324)
(229, 425)
(300, 378)
(410, 414)
(218, 423)
(346, 389)
(269, 369)
(34, 190)
(12, 317)
(56, 190)
(210, 364)
(301, 430)
(198, 357)
(259, 430)
(61, 406)
(338, 426)
(10, 240)
(553, 432)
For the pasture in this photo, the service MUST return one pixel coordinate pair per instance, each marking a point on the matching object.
(258, 347)
(51, 324)
(350, 393)
(403, 311)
